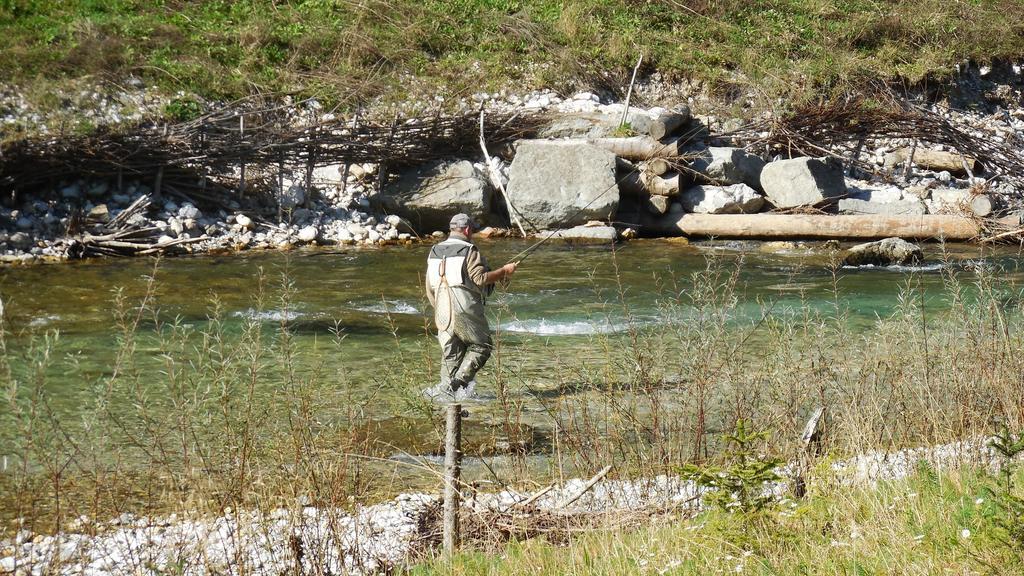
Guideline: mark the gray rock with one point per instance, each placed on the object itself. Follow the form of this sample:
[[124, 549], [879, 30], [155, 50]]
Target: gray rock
[[868, 193], [302, 215], [176, 226], [99, 214], [428, 197], [560, 184], [597, 234], [726, 166], [888, 252], [656, 204], [292, 196], [802, 181], [244, 221], [20, 240], [358, 232], [308, 234], [188, 211], [950, 200], [24, 223], [605, 123], [900, 208], [735, 199], [71, 192]]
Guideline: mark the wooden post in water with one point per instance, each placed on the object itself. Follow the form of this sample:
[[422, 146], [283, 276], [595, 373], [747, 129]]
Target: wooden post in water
[[452, 474]]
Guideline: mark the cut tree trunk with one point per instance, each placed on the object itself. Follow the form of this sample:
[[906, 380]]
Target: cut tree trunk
[[664, 122], [951, 162], [637, 147], [655, 166], [640, 183], [982, 205], [779, 226]]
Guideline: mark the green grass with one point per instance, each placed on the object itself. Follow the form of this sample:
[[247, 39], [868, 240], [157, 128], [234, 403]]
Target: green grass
[[913, 526], [346, 52]]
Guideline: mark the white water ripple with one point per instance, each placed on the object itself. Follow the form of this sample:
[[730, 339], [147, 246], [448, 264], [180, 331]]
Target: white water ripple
[[899, 268], [268, 315], [387, 307], [545, 327]]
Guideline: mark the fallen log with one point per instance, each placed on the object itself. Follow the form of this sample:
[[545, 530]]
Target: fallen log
[[637, 147], [779, 226], [655, 166], [635, 180], [982, 205], [639, 183], [659, 122], [951, 162]]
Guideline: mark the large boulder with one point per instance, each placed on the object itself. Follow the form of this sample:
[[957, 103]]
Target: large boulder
[[562, 184], [604, 121], [802, 181], [897, 208], [583, 234], [888, 252], [429, 196], [956, 201], [735, 199], [728, 166]]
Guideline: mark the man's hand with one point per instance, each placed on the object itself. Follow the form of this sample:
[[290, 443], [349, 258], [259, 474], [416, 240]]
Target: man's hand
[[503, 273]]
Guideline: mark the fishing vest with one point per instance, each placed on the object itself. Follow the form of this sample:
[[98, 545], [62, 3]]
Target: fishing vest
[[446, 265]]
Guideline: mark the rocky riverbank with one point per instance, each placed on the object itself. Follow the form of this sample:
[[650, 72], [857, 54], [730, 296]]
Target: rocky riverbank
[[383, 537], [594, 169]]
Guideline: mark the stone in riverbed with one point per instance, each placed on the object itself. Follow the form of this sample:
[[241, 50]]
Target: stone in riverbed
[[594, 234], [429, 196], [20, 240], [899, 208], [735, 199], [244, 221], [188, 211], [562, 184], [99, 214], [802, 181], [888, 252], [726, 166], [656, 204], [308, 234]]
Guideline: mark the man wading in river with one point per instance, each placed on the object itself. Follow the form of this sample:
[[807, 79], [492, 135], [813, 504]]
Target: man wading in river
[[458, 283]]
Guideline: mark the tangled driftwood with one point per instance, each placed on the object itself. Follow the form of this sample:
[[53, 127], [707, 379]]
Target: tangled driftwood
[[209, 156], [841, 129]]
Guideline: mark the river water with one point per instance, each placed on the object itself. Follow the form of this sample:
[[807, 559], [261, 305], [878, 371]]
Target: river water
[[563, 299]]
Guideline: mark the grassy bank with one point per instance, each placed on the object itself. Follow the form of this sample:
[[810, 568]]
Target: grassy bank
[[929, 523], [348, 52]]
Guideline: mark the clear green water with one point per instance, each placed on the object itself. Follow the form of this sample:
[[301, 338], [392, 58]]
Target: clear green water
[[559, 300]]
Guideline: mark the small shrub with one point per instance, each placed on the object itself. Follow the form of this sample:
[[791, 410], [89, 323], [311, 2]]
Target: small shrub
[[624, 131], [1008, 520], [740, 486], [183, 109]]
